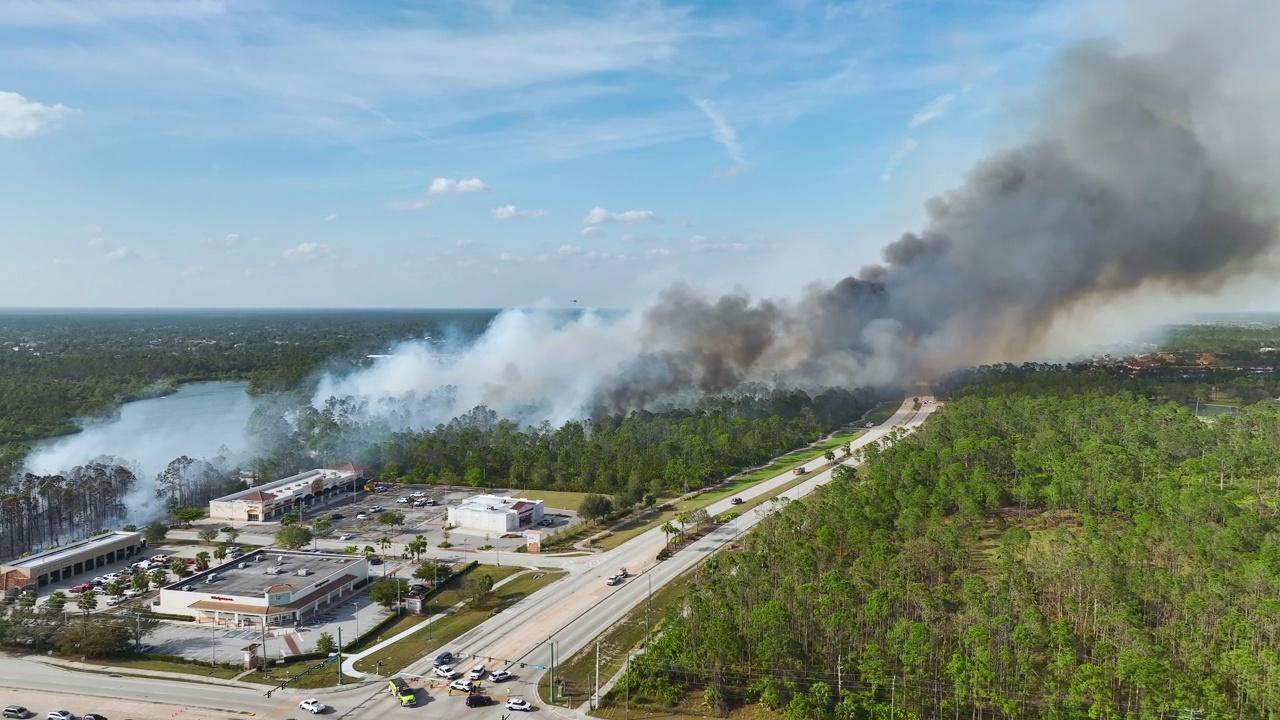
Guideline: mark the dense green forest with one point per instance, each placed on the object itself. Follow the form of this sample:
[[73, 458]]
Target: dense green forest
[[1049, 545], [59, 366], [630, 456]]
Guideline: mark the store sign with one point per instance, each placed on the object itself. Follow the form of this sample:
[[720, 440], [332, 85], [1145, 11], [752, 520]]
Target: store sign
[[219, 597]]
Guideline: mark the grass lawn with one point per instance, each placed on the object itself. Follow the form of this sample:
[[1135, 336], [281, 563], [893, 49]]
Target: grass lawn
[[553, 498], [644, 523], [415, 647], [883, 411], [174, 666], [620, 640]]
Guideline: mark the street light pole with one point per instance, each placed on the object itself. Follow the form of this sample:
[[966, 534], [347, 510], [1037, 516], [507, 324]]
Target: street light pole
[[339, 655]]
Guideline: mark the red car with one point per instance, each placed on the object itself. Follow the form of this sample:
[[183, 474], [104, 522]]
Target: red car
[[83, 587]]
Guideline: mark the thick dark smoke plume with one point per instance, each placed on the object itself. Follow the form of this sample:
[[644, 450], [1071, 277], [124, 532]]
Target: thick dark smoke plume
[[1132, 181]]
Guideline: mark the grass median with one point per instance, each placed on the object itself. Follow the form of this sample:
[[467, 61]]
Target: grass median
[[790, 461], [413, 648], [622, 639], [173, 666]]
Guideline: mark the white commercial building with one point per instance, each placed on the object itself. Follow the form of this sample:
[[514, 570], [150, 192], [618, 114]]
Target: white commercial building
[[271, 586], [494, 513], [295, 493]]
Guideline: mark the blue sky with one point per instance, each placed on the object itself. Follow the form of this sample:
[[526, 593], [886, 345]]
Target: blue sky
[[197, 153]]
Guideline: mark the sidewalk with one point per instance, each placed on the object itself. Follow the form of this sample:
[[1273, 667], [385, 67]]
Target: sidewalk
[[349, 661]]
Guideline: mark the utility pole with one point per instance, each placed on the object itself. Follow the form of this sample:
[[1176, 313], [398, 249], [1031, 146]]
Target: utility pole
[[648, 620], [596, 695], [892, 683], [626, 686], [339, 655], [839, 678]]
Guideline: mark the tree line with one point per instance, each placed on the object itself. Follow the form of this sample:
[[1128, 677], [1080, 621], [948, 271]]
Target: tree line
[[1048, 545], [631, 456]]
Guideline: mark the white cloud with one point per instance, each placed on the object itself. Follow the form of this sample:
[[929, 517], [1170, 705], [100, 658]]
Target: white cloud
[[231, 240], [569, 250], [599, 215], [723, 133], [20, 117], [907, 147], [97, 242], [591, 232], [402, 205], [932, 110], [507, 212], [661, 252], [307, 251], [464, 242], [121, 253], [440, 186], [704, 244], [331, 217]]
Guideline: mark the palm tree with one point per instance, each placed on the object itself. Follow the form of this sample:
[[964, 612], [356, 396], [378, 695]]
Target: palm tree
[[417, 546], [87, 602], [830, 456], [683, 518], [220, 553], [369, 550], [351, 549], [384, 542], [669, 529], [231, 534], [160, 577], [845, 449], [202, 561]]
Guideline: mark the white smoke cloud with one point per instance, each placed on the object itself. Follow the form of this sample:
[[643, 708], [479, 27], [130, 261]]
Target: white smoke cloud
[[530, 365]]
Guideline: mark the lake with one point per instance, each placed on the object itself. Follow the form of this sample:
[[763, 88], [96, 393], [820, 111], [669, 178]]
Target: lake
[[198, 420]]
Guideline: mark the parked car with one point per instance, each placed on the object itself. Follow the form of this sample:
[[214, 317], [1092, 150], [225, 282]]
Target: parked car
[[418, 589], [376, 508], [335, 516], [462, 684], [417, 494], [612, 580], [403, 500], [346, 536], [499, 676], [447, 672], [419, 503], [61, 715], [362, 516], [375, 561], [546, 522], [313, 706], [519, 704], [93, 716], [17, 711], [477, 672], [736, 501], [444, 658], [114, 600], [479, 701], [82, 587]]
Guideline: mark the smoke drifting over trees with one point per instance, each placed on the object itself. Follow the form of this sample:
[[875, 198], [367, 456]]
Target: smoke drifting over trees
[[1147, 170]]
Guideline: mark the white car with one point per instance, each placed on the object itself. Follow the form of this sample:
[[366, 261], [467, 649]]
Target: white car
[[102, 580], [346, 536], [61, 715], [312, 706], [499, 676], [462, 684], [362, 516], [519, 704], [477, 672], [403, 501], [612, 580], [114, 600], [132, 593], [447, 672]]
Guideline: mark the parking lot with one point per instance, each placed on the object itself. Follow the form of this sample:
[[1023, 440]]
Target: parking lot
[[428, 521]]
